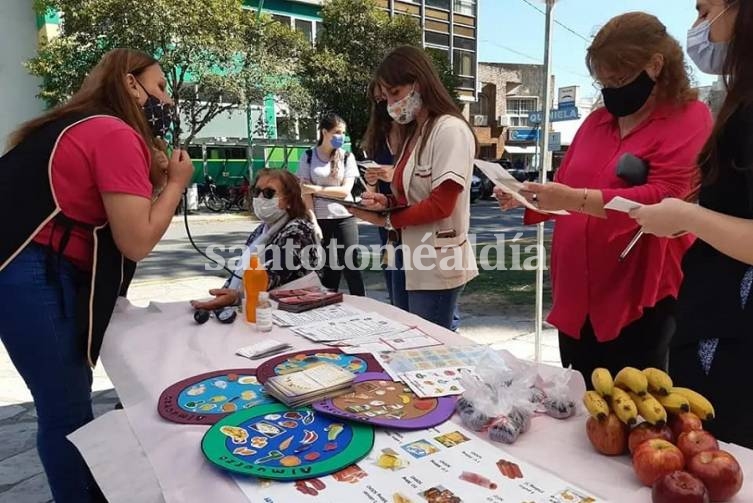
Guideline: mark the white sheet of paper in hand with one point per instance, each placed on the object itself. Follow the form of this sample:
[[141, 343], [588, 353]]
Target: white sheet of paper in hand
[[621, 204], [508, 183]]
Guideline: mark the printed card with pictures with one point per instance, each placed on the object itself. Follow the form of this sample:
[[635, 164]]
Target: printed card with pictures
[[436, 382]]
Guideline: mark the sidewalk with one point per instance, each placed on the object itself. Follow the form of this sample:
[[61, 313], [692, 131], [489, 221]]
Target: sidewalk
[[21, 476]]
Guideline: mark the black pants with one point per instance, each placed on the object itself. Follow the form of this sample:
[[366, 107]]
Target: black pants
[[643, 343], [725, 386], [344, 233]]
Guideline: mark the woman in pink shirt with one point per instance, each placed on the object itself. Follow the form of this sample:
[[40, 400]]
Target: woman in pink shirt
[[611, 312], [68, 249]]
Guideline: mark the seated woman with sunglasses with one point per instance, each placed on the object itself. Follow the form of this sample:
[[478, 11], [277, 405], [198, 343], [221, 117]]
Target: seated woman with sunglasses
[[285, 238]]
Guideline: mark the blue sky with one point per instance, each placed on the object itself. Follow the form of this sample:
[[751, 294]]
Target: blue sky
[[512, 31]]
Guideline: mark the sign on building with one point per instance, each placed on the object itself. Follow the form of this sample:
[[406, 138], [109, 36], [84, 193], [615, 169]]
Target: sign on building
[[567, 96]]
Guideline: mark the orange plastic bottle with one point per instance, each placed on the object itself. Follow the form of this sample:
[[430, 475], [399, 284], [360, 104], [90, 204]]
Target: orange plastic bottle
[[255, 280]]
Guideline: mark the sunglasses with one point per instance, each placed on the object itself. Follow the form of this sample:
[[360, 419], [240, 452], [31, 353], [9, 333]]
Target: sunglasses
[[266, 193]]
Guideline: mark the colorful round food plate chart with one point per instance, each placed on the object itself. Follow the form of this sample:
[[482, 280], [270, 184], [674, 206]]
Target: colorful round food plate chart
[[301, 360], [377, 399], [276, 442], [207, 398]]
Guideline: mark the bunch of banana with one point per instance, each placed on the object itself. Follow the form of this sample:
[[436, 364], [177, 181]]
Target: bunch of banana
[[649, 393], [698, 404]]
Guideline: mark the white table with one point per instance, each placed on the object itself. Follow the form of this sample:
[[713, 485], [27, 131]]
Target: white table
[[148, 349]]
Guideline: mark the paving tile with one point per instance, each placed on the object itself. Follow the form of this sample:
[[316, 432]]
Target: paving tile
[[16, 438], [20, 467], [31, 490], [9, 411]]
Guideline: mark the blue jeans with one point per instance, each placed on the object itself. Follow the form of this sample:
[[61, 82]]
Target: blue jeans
[[437, 306], [38, 329]]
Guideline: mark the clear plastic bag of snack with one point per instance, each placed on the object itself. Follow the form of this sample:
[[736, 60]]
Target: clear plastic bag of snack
[[558, 402]]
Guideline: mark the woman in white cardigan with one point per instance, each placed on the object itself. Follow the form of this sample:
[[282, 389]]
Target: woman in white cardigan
[[432, 180]]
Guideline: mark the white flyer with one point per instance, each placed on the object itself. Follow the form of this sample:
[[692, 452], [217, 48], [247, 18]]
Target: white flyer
[[352, 327], [444, 464], [508, 183], [325, 313], [621, 204]]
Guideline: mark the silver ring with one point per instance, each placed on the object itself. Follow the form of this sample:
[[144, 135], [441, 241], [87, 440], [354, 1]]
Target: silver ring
[[535, 197]]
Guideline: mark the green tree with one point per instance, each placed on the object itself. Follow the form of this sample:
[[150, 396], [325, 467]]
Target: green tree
[[215, 54], [353, 39]]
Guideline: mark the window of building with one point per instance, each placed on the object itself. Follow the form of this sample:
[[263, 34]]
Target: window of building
[[442, 4], [465, 7], [305, 27], [281, 19], [481, 106], [437, 38], [464, 63], [468, 44], [519, 108]]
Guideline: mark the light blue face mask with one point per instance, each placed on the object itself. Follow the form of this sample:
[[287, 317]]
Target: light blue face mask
[[708, 56], [337, 141]]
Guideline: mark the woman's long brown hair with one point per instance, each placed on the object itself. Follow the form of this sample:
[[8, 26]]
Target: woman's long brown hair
[[103, 91], [738, 71], [410, 65]]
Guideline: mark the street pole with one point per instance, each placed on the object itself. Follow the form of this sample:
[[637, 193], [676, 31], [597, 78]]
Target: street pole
[[249, 122], [543, 151]]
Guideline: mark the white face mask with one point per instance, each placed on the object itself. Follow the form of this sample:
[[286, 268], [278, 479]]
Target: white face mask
[[708, 56], [267, 210], [405, 110]]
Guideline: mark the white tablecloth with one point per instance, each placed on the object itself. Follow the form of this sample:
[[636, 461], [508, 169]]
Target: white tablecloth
[[148, 349]]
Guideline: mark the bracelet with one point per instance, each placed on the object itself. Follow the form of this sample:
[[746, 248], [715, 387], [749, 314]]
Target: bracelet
[[585, 199]]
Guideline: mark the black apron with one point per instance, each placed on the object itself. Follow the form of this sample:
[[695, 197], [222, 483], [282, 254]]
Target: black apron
[[28, 202]]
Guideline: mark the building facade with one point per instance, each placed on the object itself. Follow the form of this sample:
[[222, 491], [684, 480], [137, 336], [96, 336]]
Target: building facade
[[509, 93]]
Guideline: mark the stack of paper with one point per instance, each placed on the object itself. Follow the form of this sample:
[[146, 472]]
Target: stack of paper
[[350, 328], [326, 313], [307, 386]]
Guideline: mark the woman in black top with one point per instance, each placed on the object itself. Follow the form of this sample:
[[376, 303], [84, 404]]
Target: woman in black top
[[380, 135], [713, 348]]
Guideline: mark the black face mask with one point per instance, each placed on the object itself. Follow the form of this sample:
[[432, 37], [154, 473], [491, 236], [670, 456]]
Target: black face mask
[[159, 115], [628, 99]]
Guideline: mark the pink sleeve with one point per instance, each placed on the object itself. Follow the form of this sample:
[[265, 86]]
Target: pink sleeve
[[673, 170], [119, 162]]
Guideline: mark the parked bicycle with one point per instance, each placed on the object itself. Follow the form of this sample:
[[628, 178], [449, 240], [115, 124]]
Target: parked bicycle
[[239, 197], [210, 196]]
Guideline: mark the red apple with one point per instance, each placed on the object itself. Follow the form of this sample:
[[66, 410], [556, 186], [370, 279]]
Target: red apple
[[608, 436], [679, 487], [693, 442], [646, 431], [684, 421], [656, 458], [719, 471]]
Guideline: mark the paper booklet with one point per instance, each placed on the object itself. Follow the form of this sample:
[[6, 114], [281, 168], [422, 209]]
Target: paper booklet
[[505, 181], [307, 386]]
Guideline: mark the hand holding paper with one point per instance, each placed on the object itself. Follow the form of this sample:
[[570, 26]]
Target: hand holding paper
[[507, 183]]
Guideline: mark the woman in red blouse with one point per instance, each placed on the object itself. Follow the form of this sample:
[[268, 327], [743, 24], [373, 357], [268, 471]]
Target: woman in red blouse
[[610, 312]]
